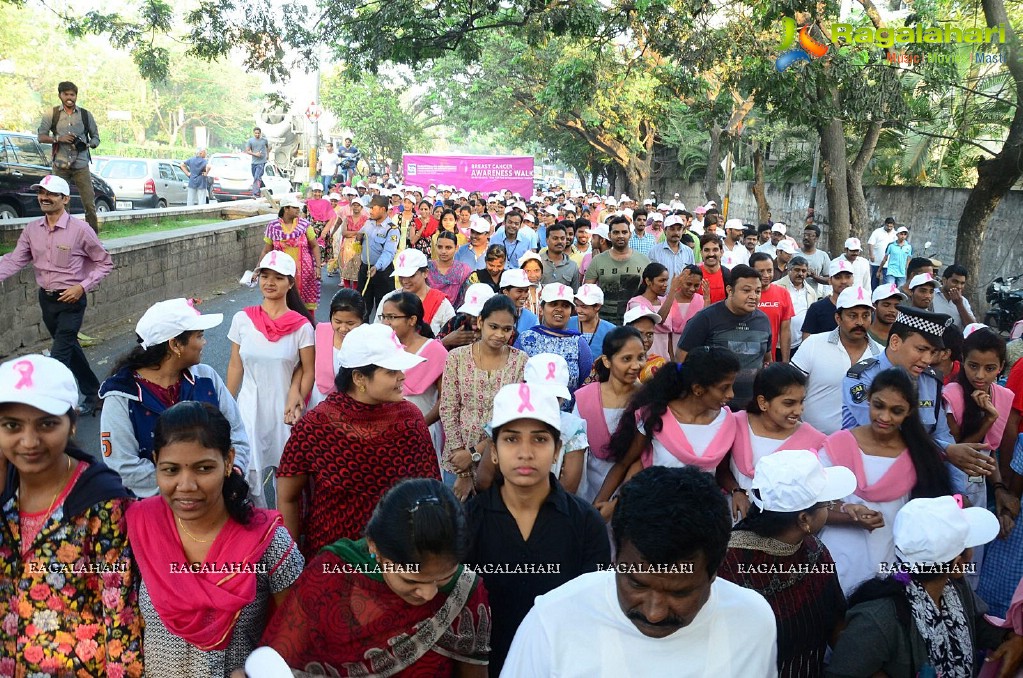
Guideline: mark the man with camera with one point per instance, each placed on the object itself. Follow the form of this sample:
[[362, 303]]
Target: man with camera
[[72, 132], [349, 160]]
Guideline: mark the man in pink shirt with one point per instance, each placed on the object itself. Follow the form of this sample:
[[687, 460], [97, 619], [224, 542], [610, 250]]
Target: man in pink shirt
[[69, 261]]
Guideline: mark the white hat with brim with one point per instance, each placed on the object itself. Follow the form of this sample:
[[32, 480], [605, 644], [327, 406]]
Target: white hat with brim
[[556, 292], [602, 231], [840, 266], [280, 262], [525, 401], [291, 201], [852, 297], [923, 279], [634, 314], [795, 480], [408, 263], [590, 294], [514, 277], [53, 184], [39, 381], [936, 530], [167, 319], [548, 371], [376, 344], [887, 291], [530, 256], [475, 296]]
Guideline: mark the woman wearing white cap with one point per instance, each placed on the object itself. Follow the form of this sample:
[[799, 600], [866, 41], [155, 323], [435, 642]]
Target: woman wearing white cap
[[163, 370], [472, 376], [526, 518], [553, 336], [349, 248], [351, 448], [295, 237], [775, 552], [272, 367], [923, 619], [67, 586], [410, 269]]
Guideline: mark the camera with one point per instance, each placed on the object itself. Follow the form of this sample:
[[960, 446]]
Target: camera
[[80, 144]]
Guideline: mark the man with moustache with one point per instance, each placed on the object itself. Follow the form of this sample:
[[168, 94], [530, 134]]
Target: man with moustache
[[825, 358], [674, 255], [802, 295], [776, 305], [660, 610], [618, 272], [714, 275], [69, 261], [886, 299], [733, 243]]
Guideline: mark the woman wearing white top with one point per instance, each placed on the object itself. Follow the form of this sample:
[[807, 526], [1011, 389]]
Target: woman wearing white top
[[771, 422], [271, 367], [347, 309], [678, 418], [894, 460], [411, 268]]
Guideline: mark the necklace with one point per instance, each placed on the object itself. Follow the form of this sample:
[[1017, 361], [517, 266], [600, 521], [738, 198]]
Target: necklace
[[59, 488], [190, 535]]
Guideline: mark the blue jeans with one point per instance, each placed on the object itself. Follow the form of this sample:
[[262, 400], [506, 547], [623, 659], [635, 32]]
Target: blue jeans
[[257, 177], [889, 279], [874, 280]]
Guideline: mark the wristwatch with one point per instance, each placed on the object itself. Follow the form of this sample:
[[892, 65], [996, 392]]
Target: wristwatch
[[474, 455]]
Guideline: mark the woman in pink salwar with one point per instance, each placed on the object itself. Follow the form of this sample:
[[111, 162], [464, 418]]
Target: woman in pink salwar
[[294, 236]]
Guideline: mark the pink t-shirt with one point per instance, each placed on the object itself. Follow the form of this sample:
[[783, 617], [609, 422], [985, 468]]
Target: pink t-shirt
[[1001, 397]]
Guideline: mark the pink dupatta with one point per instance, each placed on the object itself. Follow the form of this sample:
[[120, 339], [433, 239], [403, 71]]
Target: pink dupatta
[[199, 608], [323, 362], [898, 481], [424, 375], [806, 437], [588, 400], [1001, 397], [272, 329], [675, 441]]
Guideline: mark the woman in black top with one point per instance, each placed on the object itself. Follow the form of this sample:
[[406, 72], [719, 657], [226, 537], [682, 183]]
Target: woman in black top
[[529, 535]]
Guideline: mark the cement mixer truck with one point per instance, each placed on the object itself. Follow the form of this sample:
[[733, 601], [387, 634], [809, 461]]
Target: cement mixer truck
[[285, 130]]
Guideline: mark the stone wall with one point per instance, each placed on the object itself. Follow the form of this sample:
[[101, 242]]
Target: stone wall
[[147, 268], [932, 214]]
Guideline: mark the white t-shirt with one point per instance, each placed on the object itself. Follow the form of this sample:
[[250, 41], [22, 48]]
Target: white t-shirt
[[699, 436], [861, 270], [800, 304], [579, 629], [328, 164], [739, 253], [825, 361], [879, 241]]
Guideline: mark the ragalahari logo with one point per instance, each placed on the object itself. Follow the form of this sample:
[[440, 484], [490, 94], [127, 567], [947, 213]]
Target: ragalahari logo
[[808, 47]]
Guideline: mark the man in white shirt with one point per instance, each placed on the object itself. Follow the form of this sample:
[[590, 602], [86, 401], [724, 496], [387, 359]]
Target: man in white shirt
[[877, 244], [949, 298], [860, 266], [733, 243], [778, 231], [328, 167], [801, 293], [661, 610], [826, 357]]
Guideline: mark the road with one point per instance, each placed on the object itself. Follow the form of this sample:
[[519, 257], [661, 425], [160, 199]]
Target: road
[[118, 341]]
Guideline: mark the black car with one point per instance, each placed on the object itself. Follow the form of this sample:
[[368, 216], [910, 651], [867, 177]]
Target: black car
[[24, 162]]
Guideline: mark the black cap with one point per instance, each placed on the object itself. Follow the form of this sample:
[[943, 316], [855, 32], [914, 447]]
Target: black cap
[[930, 325]]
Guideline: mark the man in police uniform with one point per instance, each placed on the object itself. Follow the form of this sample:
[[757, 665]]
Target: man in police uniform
[[914, 341], [379, 245]]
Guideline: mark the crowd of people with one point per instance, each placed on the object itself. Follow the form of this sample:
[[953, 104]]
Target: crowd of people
[[561, 434]]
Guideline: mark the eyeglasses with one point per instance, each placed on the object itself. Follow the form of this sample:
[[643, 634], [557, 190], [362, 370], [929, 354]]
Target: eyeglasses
[[389, 318]]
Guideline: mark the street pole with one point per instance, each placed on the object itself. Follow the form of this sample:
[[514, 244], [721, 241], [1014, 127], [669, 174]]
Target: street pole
[[813, 175], [314, 142]]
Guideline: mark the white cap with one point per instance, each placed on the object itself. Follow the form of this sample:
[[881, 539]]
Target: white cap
[[628, 212], [854, 296], [648, 201], [528, 216], [840, 265], [671, 220], [779, 227], [291, 201], [316, 186], [478, 225], [408, 262], [710, 203], [552, 210], [625, 198], [593, 201], [735, 224], [521, 206], [700, 209], [973, 327], [348, 190], [634, 314], [167, 319], [853, 244], [523, 401], [788, 247], [901, 229], [937, 530], [590, 294], [549, 371], [279, 262], [475, 296], [334, 196], [610, 201], [887, 291], [53, 184], [376, 344], [794, 480], [602, 230], [39, 381], [922, 279], [662, 207], [657, 217], [530, 256], [556, 292], [514, 277]]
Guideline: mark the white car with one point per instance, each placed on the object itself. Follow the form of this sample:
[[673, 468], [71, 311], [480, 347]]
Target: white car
[[232, 177]]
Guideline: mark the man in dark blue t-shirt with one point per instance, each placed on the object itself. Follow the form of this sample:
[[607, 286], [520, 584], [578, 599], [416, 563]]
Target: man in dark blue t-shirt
[[820, 316]]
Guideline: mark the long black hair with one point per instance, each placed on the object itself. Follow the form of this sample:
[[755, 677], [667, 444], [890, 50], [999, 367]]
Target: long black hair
[[772, 381], [931, 476], [982, 341], [651, 271], [138, 357], [349, 300], [410, 305], [191, 421], [704, 366], [417, 519], [614, 341], [294, 299]]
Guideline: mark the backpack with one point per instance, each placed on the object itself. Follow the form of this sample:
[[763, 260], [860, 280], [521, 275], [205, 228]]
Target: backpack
[[86, 119]]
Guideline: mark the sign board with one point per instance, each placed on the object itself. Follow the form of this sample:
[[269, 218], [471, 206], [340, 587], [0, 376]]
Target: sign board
[[485, 173]]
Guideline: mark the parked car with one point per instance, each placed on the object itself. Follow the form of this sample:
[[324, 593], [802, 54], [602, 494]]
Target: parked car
[[146, 183], [24, 162], [232, 177]]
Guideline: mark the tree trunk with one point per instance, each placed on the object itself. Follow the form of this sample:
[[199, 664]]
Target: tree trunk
[[835, 165], [637, 176], [710, 179], [759, 191], [581, 173], [612, 178], [595, 174], [858, 217], [995, 176]]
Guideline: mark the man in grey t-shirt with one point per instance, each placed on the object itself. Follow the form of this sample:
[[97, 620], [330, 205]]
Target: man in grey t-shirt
[[72, 131], [259, 149]]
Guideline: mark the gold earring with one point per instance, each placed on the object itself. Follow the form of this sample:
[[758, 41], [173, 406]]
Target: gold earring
[[362, 389]]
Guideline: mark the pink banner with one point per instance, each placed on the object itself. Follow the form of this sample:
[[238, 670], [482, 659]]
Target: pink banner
[[485, 173]]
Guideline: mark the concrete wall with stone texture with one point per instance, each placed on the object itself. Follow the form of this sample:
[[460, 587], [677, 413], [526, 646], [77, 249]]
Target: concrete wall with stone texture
[[188, 262]]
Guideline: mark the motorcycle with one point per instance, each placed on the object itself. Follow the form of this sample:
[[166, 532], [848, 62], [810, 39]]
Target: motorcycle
[[1005, 303]]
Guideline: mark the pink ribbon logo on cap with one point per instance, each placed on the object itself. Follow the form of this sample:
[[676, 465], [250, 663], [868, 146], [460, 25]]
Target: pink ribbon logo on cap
[[25, 368], [551, 371], [859, 294], [561, 290], [191, 304], [273, 257], [524, 404]]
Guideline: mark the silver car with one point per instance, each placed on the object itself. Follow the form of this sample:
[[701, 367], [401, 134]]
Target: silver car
[[145, 183]]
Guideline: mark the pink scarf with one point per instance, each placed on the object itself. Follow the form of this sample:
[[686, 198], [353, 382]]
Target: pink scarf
[[424, 375], [323, 361], [272, 329], [199, 608], [320, 210], [675, 441], [1001, 397], [806, 437], [588, 400], [843, 450]]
